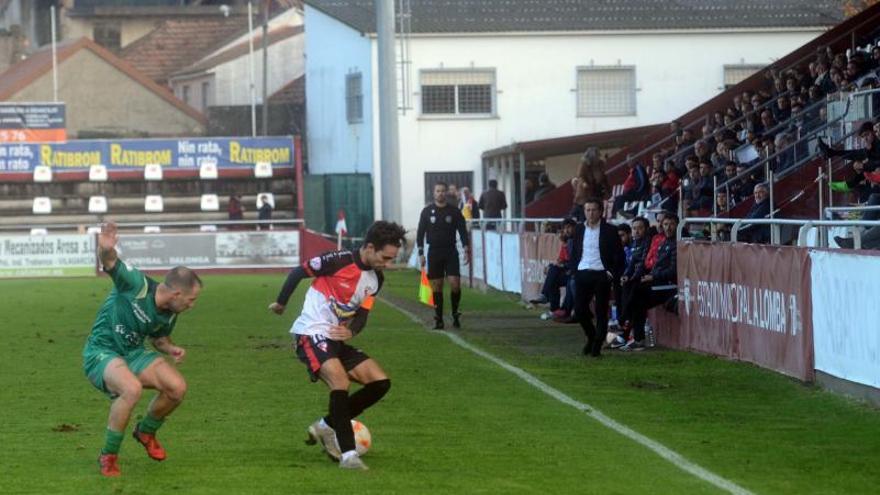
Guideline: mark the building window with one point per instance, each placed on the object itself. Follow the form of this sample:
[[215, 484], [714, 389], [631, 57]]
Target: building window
[[458, 92], [107, 34], [735, 74], [606, 91], [354, 98], [184, 95], [206, 89]]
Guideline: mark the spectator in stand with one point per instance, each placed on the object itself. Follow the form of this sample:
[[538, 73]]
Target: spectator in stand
[[703, 151], [544, 186], [870, 153], [589, 182], [758, 234], [656, 283], [235, 209], [470, 210], [823, 78], [492, 203], [786, 152], [635, 187], [530, 190], [557, 274], [600, 261], [452, 196], [782, 108], [722, 201], [265, 212]]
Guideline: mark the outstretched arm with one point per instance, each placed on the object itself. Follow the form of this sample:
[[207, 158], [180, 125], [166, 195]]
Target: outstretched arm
[[107, 246], [293, 279]]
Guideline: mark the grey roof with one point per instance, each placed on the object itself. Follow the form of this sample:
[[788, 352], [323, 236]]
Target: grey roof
[[465, 16]]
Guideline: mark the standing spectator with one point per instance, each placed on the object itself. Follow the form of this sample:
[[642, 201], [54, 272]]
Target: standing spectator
[[469, 208], [492, 202], [530, 190], [600, 261], [452, 196], [544, 186], [657, 285], [265, 212], [589, 182]]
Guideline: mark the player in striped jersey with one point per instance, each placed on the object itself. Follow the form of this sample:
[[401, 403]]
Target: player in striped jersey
[[334, 311]]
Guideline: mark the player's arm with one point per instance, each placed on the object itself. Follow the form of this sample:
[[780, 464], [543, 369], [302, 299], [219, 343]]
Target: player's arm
[[166, 346], [461, 226], [124, 277], [293, 279], [420, 235]]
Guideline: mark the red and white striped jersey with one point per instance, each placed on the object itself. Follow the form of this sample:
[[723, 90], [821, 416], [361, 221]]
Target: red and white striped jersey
[[342, 285]]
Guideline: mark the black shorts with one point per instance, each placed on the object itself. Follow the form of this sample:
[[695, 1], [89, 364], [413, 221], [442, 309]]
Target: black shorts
[[443, 264], [314, 350]]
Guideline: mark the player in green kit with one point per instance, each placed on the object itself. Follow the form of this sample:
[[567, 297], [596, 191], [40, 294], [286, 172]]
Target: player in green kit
[[115, 359]]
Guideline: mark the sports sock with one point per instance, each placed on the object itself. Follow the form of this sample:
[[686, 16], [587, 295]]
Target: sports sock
[[340, 414], [150, 424], [438, 305], [368, 395], [112, 442], [456, 299]]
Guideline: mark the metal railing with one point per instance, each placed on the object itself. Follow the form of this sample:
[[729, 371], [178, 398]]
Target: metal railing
[[511, 225], [804, 227], [175, 225]]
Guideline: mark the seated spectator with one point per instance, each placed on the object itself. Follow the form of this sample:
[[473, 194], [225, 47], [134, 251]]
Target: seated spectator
[[638, 249], [557, 275], [635, 187], [656, 285], [758, 234], [544, 186]]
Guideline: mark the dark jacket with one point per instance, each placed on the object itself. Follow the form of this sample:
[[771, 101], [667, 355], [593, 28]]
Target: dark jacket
[[610, 249], [493, 202], [636, 267], [757, 234], [665, 270]]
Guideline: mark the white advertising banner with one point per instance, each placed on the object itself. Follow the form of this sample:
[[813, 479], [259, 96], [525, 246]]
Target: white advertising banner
[[494, 268], [477, 253], [846, 315], [47, 256], [511, 263]]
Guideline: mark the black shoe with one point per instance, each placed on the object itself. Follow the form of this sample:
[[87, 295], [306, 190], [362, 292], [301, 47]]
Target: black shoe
[[438, 324], [455, 322], [588, 349], [539, 300], [844, 242]]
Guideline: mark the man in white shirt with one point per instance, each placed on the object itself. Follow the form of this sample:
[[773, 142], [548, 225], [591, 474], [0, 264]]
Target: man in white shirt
[[600, 260]]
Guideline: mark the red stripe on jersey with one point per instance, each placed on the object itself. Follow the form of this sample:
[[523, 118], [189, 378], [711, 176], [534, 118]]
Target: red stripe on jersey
[[306, 342], [341, 285]]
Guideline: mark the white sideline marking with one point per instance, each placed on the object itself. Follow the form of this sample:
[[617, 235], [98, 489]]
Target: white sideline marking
[[665, 452]]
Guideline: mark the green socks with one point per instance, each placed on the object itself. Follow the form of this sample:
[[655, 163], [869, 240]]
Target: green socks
[[112, 441], [149, 424]]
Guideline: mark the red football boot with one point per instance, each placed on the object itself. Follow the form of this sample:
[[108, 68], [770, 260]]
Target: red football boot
[[107, 462], [154, 450]]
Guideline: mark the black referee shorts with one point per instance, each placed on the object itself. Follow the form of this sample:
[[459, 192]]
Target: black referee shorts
[[443, 263]]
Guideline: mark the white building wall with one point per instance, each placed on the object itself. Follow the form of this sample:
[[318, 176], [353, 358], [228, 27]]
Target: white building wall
[[536, 98], [286, 63]]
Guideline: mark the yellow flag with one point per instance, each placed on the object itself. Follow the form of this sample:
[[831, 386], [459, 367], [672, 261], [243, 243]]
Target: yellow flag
[[426, 295]]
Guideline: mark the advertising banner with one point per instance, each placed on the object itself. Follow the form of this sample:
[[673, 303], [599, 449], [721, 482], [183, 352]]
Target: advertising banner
[[511, 264], [536, 251], [477, 253], [32, 122], [494, 270], [747, 302], [47, 256], [846, 316], [250, 249], [133, 154]]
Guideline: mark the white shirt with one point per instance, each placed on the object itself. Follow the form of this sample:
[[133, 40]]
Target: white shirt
[[590, 257]]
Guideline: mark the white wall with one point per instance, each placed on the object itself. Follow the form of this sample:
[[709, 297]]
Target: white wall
[[286, 63], [535, 83]]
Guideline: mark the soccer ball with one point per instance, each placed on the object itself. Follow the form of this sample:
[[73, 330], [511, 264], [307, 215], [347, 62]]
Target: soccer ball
[[362, 439]]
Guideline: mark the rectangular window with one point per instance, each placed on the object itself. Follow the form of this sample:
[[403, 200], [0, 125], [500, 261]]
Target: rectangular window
[[206, 91], [735, 74], [458, 92], [107, 34], [354, 98], [606, 91], [185, 94]]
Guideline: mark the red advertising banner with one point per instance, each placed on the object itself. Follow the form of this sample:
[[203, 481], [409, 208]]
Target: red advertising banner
[[536, 251], [747, 302]]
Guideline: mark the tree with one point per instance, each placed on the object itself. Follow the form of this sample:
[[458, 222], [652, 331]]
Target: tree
[[853, 7]]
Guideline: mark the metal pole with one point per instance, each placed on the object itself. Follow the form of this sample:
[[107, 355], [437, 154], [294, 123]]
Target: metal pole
[[253, 90], [54, 57], [714, 205], [389, 147], [821, 230], [830, 196], [522, 188], [265, 8]]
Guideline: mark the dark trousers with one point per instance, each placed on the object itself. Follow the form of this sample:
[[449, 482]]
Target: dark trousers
[[643, 299], [590, 284], [555, 280], [625, 304], [568, 302]]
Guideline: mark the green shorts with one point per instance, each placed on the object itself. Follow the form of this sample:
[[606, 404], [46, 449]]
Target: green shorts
[[95, 360]]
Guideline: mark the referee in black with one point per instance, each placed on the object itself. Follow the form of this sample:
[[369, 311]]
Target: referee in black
[[439, 221]]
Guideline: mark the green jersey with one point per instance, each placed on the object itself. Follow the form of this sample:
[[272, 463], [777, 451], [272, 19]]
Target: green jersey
[[129, 315]]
